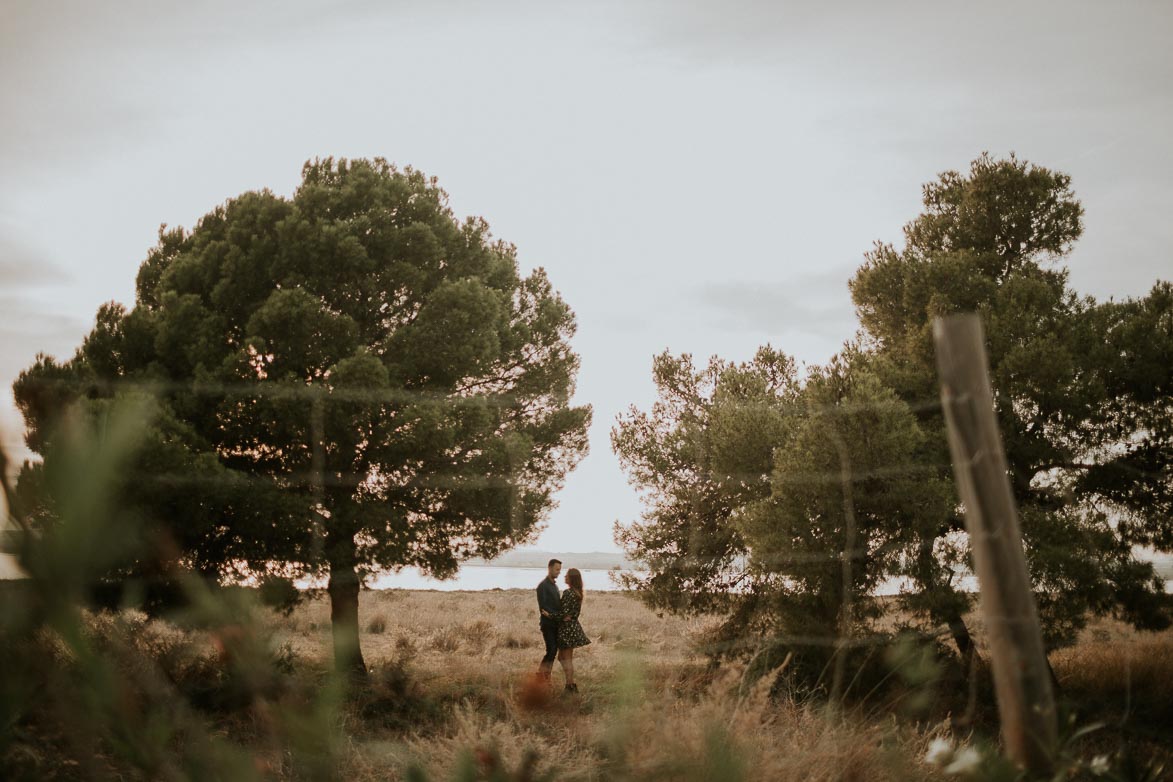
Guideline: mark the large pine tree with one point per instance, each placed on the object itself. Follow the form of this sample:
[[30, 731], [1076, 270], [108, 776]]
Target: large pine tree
[[344, 381]]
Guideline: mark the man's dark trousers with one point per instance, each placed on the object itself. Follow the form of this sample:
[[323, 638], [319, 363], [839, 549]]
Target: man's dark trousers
[[550, 636], [548, 602]]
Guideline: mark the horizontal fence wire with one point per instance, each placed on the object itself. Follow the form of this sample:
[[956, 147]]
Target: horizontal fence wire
[[734, 576]]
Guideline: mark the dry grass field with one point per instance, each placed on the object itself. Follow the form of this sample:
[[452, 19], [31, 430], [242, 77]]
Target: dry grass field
[[452, 697], [456, 668], [645, 710]]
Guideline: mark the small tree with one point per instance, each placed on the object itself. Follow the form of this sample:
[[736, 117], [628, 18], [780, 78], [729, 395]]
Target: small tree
[[778, 501], [695, 555], [847, 507], [347, 380]]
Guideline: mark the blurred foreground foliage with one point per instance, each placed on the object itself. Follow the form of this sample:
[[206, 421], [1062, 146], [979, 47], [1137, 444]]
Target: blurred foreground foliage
[[105, 695]]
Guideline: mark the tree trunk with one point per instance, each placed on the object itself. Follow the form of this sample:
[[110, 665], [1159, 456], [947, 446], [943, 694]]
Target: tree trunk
[[962, 638], [1054, 679], [343, 590], [944, 613], [973, 669]]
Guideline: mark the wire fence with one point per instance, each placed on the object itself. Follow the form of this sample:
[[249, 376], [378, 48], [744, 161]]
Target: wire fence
[[313, 475], [1010, 619]]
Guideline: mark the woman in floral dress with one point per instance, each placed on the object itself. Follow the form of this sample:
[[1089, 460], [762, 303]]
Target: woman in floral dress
[[570, 634]]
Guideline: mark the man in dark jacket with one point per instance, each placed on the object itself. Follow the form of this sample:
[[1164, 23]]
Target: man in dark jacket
[[549, 604]]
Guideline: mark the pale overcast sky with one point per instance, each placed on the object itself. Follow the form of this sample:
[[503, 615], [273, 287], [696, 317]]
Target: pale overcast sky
[[697, 176]]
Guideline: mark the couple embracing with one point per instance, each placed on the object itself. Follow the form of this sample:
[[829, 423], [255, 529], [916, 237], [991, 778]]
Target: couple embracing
[[559, 621]]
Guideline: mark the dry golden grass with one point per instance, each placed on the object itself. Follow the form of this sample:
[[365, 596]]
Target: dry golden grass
[[453, 674], [448, 626], [646, 709], [1118, 673]]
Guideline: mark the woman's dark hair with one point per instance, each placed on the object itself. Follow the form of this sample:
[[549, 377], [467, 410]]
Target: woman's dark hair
[[574, 578]]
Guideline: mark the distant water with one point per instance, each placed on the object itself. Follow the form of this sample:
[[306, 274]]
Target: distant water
[[476, 578]]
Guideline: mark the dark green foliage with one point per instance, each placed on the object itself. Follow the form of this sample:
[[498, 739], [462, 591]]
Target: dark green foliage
[[781, 502], [699, 461], [778, 501], [346, 380], [1082, 388]]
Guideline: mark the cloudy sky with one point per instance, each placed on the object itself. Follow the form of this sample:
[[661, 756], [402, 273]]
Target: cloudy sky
[[695, 176]]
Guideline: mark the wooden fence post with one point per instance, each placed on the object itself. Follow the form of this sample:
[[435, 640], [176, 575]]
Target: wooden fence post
[[1022, 680]]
